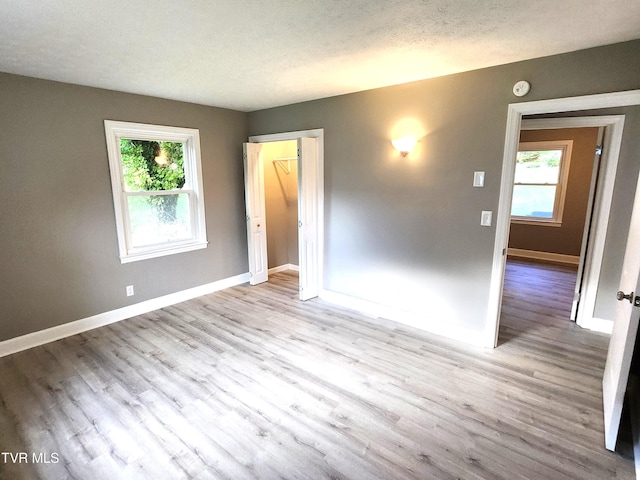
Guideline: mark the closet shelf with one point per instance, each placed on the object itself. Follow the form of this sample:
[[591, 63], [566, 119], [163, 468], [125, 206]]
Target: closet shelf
[[280, 162]]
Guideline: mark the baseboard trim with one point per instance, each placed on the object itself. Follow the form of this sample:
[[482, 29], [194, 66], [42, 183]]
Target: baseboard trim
[[285, 267], [545, 256], [58, 332], [411, 319], [597, 325]]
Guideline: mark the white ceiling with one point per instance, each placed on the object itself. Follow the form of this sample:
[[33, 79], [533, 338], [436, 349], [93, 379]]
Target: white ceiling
[[247, 55]]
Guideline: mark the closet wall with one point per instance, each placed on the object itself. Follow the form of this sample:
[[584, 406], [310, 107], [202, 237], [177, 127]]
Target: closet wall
[[281, 197]]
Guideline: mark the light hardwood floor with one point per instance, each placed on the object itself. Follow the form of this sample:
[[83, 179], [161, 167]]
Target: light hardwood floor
[[251, 383]]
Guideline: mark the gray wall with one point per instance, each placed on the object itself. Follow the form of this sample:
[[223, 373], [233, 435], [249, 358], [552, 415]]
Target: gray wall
[[405, 232], [59, 255], [567, 238]]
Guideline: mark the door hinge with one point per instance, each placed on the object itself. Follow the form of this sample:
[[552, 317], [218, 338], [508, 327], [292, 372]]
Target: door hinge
[[636, 301], [599, 149], [248, 218], [504, 252], [576, 297]]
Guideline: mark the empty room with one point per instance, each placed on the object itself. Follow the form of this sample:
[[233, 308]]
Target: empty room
[[306, 240]]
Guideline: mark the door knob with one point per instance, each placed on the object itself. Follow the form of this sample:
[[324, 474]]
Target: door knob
[[621, 296]]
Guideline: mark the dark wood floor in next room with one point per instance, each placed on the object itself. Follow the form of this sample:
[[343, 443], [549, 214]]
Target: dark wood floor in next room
[[251, 383]]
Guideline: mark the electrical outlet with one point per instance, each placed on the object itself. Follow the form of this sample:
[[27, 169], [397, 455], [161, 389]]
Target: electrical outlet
[[485, 219], [129, 290]]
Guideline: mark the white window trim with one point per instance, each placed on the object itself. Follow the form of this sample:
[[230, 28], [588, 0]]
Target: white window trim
[[561, 187], [114, 131]]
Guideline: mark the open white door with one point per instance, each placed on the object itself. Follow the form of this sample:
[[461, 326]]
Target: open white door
[[625, 328], [256, 217], [308, 216]]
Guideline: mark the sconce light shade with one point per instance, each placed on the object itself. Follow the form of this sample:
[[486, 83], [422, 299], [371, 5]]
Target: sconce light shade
[[404, 145]]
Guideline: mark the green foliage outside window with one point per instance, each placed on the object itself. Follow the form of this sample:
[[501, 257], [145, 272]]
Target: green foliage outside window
[[154, 166], [540, 158]]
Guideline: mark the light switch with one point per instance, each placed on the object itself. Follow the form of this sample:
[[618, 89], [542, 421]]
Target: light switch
[[478, 179], [485, 219]]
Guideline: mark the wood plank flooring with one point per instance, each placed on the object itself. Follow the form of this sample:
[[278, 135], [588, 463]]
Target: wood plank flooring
[[251, 383]]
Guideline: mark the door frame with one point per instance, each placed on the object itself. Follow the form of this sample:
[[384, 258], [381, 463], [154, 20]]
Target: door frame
[[603, 204], [317, 133]]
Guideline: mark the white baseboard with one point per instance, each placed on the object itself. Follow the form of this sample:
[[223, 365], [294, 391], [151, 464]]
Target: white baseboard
[[283, 268], [546, 256], [52, 334], [411, 319], [597, 325]]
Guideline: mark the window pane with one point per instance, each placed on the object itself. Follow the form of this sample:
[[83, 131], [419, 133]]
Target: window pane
[[533, 201], [538, 166], [150, 165], [159, 219]]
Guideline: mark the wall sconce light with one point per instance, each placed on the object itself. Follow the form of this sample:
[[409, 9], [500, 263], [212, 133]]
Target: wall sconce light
[[404, 145]]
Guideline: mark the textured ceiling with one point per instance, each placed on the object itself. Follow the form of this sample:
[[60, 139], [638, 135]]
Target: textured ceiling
[[247, 55]]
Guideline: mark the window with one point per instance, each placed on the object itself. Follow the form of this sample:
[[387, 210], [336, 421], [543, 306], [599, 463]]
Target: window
[[540, 182], [156, 180]]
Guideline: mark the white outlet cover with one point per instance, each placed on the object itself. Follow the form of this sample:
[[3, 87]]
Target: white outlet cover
[[478, 179], [485, 219], [130, 291]]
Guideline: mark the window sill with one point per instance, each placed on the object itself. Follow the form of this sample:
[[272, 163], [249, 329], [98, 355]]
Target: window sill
[[537, 223], [161, 252]]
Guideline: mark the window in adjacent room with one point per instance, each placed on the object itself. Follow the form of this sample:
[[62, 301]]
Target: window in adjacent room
[[540, 186], [157, 189]]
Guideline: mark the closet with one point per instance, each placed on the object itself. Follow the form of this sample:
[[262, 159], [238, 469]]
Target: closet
[[281, 203]]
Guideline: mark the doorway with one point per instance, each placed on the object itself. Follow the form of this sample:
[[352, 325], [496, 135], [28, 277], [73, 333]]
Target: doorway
[[602, 202], [284, 181], [556, 175], [281, 204]]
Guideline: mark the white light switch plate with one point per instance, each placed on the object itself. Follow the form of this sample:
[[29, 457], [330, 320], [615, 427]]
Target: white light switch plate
[[485, 219], [478, 179]]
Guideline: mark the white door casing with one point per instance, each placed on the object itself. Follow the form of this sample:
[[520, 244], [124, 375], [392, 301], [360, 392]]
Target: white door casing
[[625, 328], [602, 206], [256, 217], [308, 216], [312, 270]]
